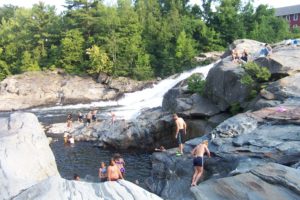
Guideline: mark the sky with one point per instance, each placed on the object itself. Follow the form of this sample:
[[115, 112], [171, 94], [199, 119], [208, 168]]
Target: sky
[[58, 3]]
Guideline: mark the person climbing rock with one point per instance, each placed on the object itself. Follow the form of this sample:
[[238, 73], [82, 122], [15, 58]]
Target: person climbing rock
[[198, 162]]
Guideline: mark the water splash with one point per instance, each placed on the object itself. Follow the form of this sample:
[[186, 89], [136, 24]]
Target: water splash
[[132, 103]]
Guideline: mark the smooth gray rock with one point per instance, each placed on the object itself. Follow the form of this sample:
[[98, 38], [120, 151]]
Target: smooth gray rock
[[223, 86], [282, 62], [25, 155], [268, 182], [33, 89], [61, 189]]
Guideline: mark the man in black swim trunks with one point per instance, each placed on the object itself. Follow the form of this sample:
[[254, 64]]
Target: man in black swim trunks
[[180, 132], [198, 162]]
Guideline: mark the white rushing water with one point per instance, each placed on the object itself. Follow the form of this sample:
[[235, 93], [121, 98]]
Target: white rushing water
[[132, 103]]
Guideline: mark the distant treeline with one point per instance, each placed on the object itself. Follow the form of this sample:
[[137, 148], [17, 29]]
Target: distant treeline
[[140, 39]]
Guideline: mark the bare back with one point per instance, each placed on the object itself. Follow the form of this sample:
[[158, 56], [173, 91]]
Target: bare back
[[180, 123], [113, 172], [199, 150]]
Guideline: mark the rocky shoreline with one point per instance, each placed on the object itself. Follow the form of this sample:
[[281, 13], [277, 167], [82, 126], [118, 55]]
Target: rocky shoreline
[[28, 169], [256, 153], [50, 88]]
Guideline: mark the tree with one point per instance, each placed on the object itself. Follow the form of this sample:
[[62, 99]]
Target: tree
[[72, 51], [185, 51], [99, 61], [28, 63]]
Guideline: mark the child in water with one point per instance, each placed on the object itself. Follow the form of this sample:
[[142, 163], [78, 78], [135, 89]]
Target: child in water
[[103, 172]]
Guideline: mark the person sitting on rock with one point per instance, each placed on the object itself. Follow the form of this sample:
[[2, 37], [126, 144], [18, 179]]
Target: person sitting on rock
[[113, 171], [244, 57], [198, 162], [103, 172], [119, 162], [161, 149], [235, 55], [266, 51]]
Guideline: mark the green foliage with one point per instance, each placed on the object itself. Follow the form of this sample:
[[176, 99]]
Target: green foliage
[[255, 72], [140, 40], [235, 108], [196, 84], [99, 61], [254, 77], [72, 51]]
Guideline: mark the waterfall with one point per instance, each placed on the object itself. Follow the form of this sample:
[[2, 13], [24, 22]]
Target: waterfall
[[132, 103]]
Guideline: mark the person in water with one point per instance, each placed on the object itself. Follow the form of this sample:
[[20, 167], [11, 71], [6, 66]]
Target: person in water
[[103, 172], [198, 162], [113, 171], [76, 177], [119, 162], [180, 132]]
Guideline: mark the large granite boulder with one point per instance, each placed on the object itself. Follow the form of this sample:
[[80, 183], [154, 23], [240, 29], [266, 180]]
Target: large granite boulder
[[28, 169], [61, 189], [285, 91], [223, 86], [251, 46], [237, 145], [33, 89], [152, 128], [268, 182], [283, 61], [148, 130], [171, 175], [177, 100], [25, 155]]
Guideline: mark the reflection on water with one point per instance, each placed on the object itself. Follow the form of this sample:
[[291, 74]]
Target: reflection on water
[[84, 159]]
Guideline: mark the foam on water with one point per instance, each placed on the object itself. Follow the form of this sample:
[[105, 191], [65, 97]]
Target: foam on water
[[132, 103]]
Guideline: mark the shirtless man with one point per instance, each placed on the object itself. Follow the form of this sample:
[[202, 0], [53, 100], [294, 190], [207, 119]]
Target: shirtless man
[[198, 162], [113, 171], [180, 132]]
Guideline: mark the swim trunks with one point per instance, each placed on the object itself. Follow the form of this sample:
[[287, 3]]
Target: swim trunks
[[180, 136], [198, 161]]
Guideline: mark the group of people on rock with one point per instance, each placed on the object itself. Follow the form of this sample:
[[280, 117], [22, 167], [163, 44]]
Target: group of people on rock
[[244, 57], [198, 152], [114, 172], [90, 116]]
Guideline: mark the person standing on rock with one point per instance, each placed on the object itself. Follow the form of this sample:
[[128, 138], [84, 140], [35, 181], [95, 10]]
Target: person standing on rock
[[94, 113], [69, 123], [180, 132], [198, 162], [88, 118]]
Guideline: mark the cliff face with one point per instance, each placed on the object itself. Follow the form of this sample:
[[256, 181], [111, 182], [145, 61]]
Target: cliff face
[[28, 169], [254, 153]]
